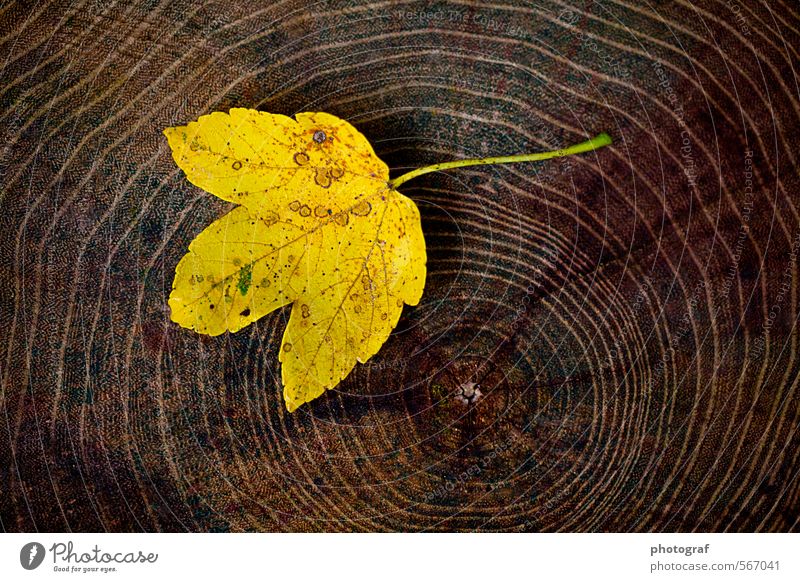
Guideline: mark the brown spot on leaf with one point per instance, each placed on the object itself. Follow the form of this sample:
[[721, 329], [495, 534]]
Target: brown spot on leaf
[[322, 178], [270, 218], [363, 208]]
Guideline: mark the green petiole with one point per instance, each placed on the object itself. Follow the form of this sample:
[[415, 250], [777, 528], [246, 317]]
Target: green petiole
[[595, 143]]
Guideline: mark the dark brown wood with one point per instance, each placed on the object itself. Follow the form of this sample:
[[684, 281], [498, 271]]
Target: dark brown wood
[[628, 316]]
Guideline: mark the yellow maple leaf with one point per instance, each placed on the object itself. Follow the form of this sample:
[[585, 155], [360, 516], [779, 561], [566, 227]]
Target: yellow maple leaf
[[320, 226]]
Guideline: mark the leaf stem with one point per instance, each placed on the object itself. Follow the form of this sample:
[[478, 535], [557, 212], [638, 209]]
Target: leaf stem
[[595, 143]]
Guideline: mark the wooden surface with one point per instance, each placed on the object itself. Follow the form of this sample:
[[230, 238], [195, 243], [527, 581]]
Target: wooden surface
[[628, 316]]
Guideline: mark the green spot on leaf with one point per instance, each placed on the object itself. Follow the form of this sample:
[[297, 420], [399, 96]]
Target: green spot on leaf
[[245, 279]]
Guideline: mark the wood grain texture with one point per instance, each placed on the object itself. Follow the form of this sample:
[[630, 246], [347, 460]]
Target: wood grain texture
[[629, 316]]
